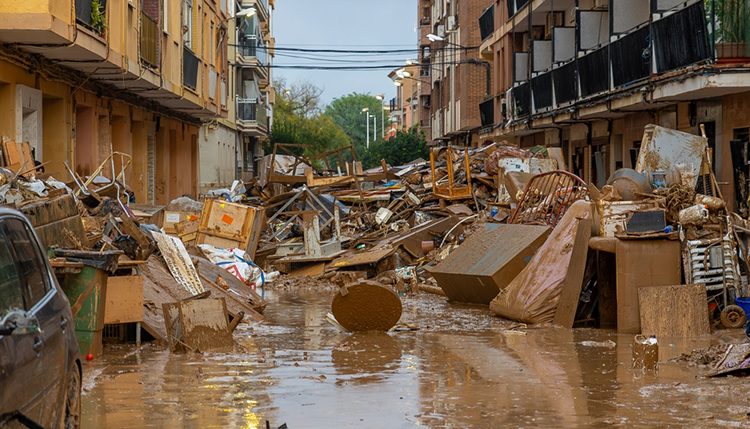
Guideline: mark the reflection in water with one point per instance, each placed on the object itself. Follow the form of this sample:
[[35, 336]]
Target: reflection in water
[[461, 369]]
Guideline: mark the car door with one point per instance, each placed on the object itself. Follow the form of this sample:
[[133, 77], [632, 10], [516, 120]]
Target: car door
[[20, 366], [39, 298]]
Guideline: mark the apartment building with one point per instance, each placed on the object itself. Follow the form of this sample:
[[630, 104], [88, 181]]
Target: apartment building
[[588, 75], [449, 39], [231, 146], [80, 79]]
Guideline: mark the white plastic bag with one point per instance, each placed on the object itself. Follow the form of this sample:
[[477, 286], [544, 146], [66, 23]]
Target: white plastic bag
[[236, 262]]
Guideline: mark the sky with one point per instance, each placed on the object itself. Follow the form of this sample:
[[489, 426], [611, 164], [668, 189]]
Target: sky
[[349, 25]]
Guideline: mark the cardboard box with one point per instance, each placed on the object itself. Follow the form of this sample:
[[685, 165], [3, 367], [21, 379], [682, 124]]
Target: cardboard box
[[171, 218]]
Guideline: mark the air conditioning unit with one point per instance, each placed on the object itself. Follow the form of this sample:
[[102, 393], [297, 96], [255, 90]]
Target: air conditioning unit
[[452, 23], [441, 30], [601, 4]]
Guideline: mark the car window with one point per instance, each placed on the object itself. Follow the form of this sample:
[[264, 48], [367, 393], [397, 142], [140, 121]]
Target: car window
[[11, 292], [32, 269]]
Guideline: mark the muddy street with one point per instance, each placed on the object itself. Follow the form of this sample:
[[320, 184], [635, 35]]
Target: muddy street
[[463, 367]]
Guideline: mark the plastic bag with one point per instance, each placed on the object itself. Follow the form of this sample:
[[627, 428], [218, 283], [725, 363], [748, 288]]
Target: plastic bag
[[236, 262]]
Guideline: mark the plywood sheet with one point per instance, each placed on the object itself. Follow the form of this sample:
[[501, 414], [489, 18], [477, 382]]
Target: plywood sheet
[[674, 311], [179, 262], [642, 263], [124, 300]]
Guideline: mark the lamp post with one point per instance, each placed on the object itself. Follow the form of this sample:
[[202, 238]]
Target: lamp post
[[366, 109], [381, 97]]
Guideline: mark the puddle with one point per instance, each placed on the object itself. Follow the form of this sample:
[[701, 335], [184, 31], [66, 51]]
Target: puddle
[[463, 368]]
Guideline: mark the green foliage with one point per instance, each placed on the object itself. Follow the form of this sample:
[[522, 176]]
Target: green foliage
[[731, 20], [347, 113], [98, 17], [298, 119], [398, 150]]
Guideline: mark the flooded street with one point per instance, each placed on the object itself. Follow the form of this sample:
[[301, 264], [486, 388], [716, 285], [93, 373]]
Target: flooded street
[[464, 367]]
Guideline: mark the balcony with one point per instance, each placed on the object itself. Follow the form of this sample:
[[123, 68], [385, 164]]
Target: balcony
[[85, 14], [729, 28], [149, 40], [190, 65], [252, 117], [425, 21], [487, 23], [591, 59]]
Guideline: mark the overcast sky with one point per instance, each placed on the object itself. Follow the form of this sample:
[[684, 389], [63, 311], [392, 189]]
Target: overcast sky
[[344, 24]]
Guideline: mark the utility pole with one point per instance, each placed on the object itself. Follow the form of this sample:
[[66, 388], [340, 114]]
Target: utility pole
[[374, 128]]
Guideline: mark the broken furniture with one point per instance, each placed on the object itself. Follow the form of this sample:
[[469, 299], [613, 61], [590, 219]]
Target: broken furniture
[[452, 186], [199, 325], [366, 306], [52, 217], [547, 197], [488, 261], [313, 248], [228, 225], [625, 265]]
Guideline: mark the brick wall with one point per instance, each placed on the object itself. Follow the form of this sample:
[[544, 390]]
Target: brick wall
[[152, 8]]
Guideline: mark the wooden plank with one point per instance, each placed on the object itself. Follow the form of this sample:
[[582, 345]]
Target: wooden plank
[[674, 311], [312, 270], [571, 290], [124, 300]]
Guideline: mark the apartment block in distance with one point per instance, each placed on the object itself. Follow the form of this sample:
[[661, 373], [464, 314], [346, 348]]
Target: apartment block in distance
[[460, 81]]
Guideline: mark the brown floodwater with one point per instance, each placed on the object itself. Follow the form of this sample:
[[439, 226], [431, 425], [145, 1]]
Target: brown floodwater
[[463, 368]]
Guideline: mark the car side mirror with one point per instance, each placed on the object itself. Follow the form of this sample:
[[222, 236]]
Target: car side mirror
[[18, 322]]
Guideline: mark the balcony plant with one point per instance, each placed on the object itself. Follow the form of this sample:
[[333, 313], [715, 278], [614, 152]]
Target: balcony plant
[[729, 22], [98, 18]]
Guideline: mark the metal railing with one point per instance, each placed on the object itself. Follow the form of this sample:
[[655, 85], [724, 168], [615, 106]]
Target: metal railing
[[487, 23], [251, 110], [149, 39], [729, 27], [487, 112], [190, 65], [253, 47]]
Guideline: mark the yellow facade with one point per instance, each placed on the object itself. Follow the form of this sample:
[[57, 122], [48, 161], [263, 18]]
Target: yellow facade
[[139, 82]]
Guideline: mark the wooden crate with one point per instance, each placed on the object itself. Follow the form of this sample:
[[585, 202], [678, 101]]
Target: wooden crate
[[124, 300], [229, 225], [172, 218], [187, 231]]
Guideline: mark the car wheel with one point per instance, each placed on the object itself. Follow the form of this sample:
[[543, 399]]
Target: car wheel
[[73, 399]]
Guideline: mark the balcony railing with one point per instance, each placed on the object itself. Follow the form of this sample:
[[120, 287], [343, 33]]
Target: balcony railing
[[190, 65], [149, 39], [729, 27], [251, 110], [487, 23], [84, 15], [551, 77], [253, 47]]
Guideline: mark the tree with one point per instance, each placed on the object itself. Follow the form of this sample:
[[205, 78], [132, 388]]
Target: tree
[[404, 147], [298, 119], [347, 113]]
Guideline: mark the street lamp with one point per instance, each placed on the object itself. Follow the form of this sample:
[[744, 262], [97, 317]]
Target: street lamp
[[366, 109], [247, 12], [381, 97]]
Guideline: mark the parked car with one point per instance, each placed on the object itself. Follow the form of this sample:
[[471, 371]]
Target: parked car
[[40, 364]]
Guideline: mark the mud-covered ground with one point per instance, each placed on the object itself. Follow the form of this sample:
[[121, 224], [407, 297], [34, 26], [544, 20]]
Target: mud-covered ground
[[463, 368]]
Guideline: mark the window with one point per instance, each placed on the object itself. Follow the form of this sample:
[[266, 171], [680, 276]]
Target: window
[[11, 292], [29, 261], [187, 23]]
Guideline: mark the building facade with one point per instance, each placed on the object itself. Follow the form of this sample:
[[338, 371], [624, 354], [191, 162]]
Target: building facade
[[588, 75], [459, 80], [80, 79], [231, 147]]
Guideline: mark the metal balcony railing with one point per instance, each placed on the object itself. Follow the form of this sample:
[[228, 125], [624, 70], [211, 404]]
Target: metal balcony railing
[[84, 9], [149, 39], [190, 65], [729, 27], [487, 23], [253, 47], [251, 110]]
